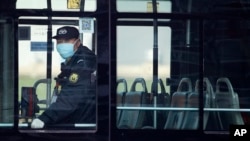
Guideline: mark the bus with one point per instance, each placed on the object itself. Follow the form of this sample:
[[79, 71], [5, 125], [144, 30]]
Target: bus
[[166, 69]]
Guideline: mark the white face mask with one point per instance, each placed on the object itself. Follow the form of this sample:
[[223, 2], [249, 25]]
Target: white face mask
[[66, 50]]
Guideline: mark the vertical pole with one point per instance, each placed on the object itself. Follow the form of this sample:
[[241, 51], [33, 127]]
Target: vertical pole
[[155, 62], [49, 53], [188, 25], [82, 4], [7, 70], [8, 77], [201, 74]]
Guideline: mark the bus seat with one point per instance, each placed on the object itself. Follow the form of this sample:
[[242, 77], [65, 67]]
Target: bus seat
[[227, 98], [214, 121], [135, 119], [120, 97], [191, 120], [162, 100], [178, 100], [29, 102]]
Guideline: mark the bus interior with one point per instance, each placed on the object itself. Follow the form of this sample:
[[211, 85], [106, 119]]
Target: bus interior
[[166, 69]]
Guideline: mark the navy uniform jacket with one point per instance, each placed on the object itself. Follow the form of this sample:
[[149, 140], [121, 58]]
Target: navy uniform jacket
[[76, 100]]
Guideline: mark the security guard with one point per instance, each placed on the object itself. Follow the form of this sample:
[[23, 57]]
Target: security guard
[[75, 101]]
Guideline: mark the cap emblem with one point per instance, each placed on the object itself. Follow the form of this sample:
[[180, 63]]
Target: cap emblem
[[62, 31]]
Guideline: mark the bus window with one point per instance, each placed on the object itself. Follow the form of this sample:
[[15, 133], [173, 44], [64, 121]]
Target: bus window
[[29, 4], [73, 5], [135, 63], [226, 59], [40, 69], [32, 54], [143, 6], [176, 103], [58, 5]]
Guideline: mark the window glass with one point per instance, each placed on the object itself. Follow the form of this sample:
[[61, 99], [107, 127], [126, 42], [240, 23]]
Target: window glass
[[72, 5], [31, 4], [32, 54], [144, 6], [225, 75], [226, 59], [135, 66], [172, 6], [175, 104], [40, 95], [184, 79], [57, 5]]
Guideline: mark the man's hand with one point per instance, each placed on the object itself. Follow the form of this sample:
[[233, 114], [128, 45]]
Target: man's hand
[[37, 123]]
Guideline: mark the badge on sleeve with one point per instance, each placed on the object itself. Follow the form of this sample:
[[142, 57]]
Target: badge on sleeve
[[73, 78]]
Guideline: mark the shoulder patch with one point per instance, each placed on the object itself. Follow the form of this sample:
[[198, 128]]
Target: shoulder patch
[[73, 78], [81, 60]]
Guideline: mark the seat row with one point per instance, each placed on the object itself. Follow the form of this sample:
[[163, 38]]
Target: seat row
[[179, 113]]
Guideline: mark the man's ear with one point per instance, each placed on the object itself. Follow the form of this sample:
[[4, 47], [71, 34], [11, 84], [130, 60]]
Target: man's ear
[[77, 44]]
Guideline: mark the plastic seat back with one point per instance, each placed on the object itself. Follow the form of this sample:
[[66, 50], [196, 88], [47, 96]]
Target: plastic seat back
[[178, 100], [120, 96], [135, 119], [161, 99], [191, 120], [227, 98]]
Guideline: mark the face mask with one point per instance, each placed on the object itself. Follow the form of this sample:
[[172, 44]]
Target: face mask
[[66, 50]]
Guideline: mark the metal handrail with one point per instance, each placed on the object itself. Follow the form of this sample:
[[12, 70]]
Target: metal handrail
[[77, 125], [183, 109]]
